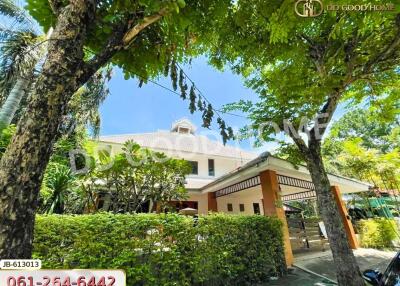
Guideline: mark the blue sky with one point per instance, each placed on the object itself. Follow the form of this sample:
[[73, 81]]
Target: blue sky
[[130, 109]]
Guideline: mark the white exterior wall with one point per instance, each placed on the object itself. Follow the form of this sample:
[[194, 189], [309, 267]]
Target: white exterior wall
[[202, 201], [222, 165], [246, 197]]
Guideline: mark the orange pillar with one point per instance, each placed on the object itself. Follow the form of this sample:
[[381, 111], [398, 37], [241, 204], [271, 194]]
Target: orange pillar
[[348, 226], [212, 202], [273, 207]]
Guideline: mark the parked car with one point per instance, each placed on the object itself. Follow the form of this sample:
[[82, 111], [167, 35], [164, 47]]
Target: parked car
[[391, 276]]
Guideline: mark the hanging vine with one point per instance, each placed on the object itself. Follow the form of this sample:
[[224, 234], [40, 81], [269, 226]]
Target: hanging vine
[[196, 100], [182, 84], [192, 98]]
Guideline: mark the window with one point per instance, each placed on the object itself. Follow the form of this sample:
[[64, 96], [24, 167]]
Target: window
[[195, 167], [100, 204], [230, 208], [183, 130], [241, 207], [211, 169], [256, 208]]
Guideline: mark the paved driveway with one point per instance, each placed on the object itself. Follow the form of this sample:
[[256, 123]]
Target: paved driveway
[[322, 262], [318, 269], [298, 277]]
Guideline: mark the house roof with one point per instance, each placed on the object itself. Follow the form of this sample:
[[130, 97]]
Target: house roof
[[263, 157], [178, 142], [266, 161]]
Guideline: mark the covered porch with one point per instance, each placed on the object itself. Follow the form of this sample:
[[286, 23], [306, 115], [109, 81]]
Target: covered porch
[[263, 185]]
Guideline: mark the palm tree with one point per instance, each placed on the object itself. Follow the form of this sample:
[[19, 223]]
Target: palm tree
[[22, 49], [84, 104]]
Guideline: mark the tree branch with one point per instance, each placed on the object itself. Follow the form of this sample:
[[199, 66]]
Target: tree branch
[[113, 45], [55, 6], [121, 38], [388, 51], [300, 144], [133, 32], [328, 109], [296, 138]]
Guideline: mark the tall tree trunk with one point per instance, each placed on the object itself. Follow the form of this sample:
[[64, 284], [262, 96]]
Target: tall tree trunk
[[11, 104], [347, 271], [23, 164]]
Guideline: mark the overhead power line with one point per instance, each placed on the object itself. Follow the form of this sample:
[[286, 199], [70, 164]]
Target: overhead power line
[[177, 93], [205, 98]]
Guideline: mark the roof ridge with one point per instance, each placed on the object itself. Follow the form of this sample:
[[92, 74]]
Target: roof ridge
[[201, 142]]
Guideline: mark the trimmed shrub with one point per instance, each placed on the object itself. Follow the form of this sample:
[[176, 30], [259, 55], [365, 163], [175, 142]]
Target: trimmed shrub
[[164, 249], [377, 233]]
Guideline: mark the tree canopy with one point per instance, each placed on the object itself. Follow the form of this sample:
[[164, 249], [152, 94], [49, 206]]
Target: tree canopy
[[363, 146], [369, 126], [137, 176], [180, 34], [302, 67]]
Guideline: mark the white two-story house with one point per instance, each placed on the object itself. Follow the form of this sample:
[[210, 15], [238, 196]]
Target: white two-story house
[[210, 159]]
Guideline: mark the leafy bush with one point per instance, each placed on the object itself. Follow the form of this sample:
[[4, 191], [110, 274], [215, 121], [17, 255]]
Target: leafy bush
[[377, 232], [5, 137], [164, 249]]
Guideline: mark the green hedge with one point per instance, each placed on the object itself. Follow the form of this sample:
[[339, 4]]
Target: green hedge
[[377, 233], [164, 249]]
